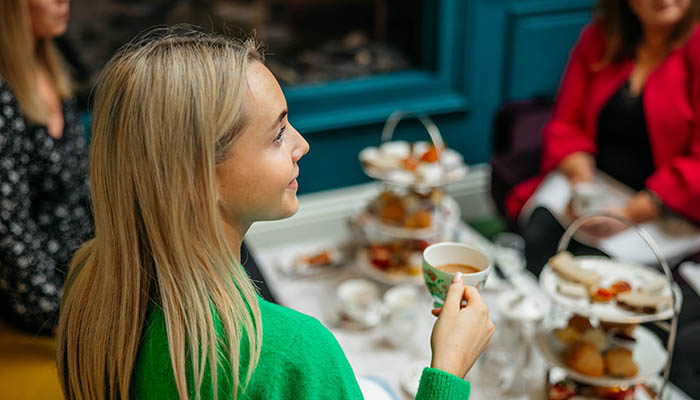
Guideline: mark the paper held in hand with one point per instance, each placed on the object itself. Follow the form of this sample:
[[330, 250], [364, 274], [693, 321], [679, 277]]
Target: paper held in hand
[[675, 237]]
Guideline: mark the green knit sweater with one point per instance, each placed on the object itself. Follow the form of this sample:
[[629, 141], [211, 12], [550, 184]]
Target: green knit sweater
[[299, 359]]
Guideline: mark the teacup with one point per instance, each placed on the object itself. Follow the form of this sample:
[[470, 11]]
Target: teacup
[[586, 198], [401, 314], [359, 302], [439, 256]]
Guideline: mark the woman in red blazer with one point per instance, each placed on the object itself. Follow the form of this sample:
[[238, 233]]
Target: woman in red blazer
[[629, 105]]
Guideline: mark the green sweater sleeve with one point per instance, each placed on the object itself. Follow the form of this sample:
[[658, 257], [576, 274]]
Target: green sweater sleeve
[[437, 384]]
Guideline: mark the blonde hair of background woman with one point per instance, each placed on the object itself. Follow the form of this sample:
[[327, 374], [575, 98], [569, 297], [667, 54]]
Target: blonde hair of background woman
[[18, 56], [166, 111]]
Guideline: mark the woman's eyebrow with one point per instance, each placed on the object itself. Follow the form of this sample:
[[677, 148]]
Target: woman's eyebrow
[[279, 119]]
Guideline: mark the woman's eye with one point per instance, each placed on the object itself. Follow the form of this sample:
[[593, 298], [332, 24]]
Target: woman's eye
[[280, 135]]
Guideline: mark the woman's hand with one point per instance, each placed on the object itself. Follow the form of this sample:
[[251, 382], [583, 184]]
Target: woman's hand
[[578, 167], [639, 209], [460, 334], [603, 227]]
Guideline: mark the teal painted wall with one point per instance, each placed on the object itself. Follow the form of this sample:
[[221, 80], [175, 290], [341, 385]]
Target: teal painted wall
[[488, 52]]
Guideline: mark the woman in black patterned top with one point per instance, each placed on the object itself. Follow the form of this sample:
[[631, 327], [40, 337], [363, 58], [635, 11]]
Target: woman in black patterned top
[[44, 190]]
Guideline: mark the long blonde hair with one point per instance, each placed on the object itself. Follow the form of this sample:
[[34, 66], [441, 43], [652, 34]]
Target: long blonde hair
[[19, 60], [167, 109]]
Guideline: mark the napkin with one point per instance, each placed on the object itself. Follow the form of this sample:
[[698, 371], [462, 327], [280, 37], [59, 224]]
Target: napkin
[[375, 388]]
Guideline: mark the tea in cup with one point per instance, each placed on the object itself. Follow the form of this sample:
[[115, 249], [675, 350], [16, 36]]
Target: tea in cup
[[442, 260]]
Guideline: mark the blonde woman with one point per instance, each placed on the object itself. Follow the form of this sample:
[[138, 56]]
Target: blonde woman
[[44, 192], [191, 145]]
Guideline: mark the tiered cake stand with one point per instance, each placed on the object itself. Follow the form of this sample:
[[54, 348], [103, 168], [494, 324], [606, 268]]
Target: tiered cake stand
[[444, 218], [652, 358]]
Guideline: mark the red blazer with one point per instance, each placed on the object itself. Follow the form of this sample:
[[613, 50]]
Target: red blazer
[[671, 99]]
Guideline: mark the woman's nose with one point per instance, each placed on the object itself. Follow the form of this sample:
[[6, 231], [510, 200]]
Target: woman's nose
[[301, 148]]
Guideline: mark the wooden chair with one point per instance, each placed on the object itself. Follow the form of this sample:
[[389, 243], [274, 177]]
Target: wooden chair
[[27, 366]]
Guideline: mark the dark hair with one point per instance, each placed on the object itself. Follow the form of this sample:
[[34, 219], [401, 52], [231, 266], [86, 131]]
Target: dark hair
[[623, 30]]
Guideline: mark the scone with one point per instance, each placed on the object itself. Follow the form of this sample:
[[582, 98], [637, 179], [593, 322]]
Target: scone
[[619, 363], [595, 337], [580, 323], [567, 335], [585, 359]]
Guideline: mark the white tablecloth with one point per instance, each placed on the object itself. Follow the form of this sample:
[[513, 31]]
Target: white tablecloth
[[368, 353]]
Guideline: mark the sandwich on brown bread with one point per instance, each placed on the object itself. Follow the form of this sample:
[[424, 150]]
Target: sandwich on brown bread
[[566, 266], [642, 302]]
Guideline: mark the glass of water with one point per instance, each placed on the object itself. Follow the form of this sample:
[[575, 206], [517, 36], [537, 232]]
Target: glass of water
[[509, 253]]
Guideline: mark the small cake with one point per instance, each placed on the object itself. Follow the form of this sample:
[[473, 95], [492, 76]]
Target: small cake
[[580, 323], [567, 335], [619, 363], [398, 149], [429, 173], [585, 359], [400, 177], [595, 337]]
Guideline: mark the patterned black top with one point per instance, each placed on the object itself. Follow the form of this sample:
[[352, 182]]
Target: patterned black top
[[44, 211]]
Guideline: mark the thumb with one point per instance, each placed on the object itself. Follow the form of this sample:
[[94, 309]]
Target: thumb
[[455, 293]]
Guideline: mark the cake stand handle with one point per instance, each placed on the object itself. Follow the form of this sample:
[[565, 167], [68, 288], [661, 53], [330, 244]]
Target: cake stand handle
[[670, 343], [576, 225], [398, 115]]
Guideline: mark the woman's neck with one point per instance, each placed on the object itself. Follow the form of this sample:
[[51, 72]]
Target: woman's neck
[[235, 235], [655, 39]]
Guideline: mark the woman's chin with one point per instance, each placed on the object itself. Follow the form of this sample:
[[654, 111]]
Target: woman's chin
[[289, 207]]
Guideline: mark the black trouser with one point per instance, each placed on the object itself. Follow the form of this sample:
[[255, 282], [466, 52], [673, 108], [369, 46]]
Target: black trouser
[[542, 234], [685, 370]]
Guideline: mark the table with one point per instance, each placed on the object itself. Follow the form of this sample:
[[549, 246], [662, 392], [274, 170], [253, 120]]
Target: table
[[368, 353]]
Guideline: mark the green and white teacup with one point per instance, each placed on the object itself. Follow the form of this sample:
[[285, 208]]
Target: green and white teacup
[[442, 260]]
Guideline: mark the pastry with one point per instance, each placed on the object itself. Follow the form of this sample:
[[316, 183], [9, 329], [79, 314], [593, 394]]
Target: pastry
[[619, 363], [566, 266], [601, 295], [642, 302], [571, 289], [567, 335], [655, 284], [420, 219], [585, 359], [614, 393], [595, 337], [580, 323], [393, 212], [620, 287], [398, 149]]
